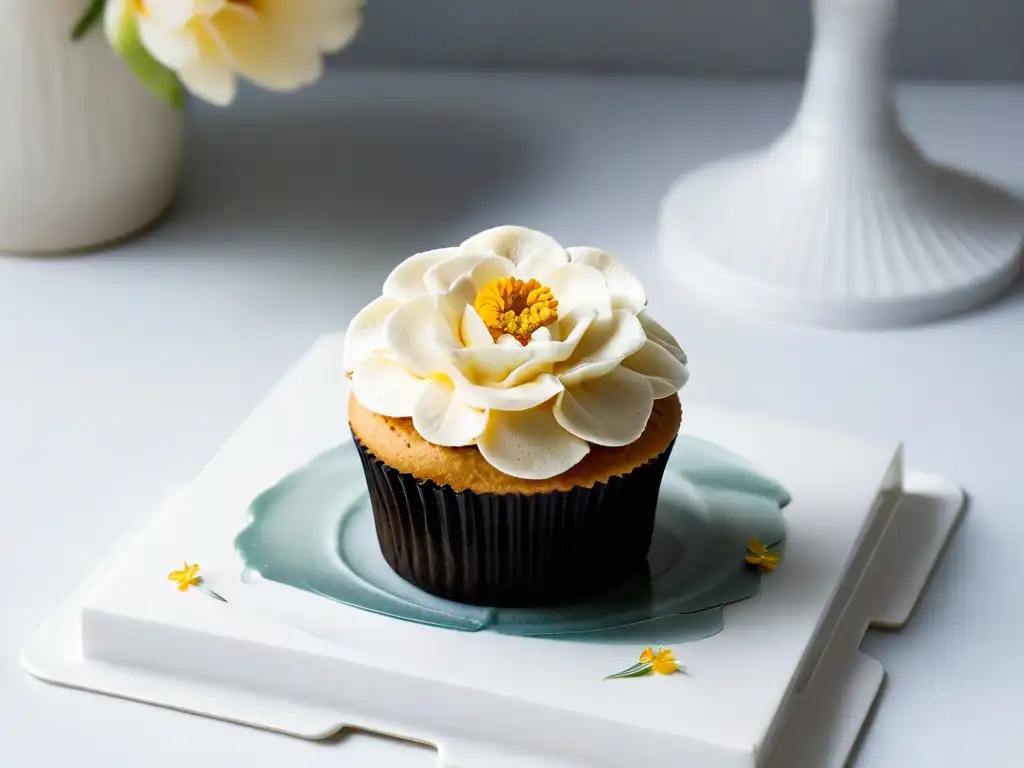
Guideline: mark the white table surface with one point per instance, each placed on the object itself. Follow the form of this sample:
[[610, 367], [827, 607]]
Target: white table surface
[[121, 372]]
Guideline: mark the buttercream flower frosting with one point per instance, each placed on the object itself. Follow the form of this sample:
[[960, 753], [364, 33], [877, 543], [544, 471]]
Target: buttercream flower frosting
[[511, 343]]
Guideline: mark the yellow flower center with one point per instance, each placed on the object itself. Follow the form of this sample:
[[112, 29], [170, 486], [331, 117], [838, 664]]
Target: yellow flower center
[[509, 305]]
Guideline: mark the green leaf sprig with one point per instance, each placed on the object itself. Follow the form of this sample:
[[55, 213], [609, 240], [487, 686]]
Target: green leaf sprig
[[88, 19], [124, 38]]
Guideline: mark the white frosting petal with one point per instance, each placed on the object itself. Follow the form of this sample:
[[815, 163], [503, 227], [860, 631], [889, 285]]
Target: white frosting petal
[[656, 333], [418, 337], [405, 282], [472, 330], [541, 335], [576, 287], [544, 354], [441, 418], [569, 323], [480, 269], [365, 334], [383, 386], [626, 290], [463, 291], [532, 252], [488, 270], [530, 444], [665, 373], [491, 364], [612, 410], [439, 277], [528, 395], [452, 305], [605, 345]]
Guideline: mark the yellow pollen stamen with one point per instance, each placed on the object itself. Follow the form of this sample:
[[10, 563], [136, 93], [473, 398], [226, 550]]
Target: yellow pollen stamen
[[508, 305]]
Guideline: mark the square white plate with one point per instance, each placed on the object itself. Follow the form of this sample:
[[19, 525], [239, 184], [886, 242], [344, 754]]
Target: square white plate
[[783, 684]]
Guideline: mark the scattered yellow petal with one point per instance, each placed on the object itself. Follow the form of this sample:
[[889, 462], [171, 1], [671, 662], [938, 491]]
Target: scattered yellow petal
[[187, 577], [664, 662], [508, 305], [759, 555]]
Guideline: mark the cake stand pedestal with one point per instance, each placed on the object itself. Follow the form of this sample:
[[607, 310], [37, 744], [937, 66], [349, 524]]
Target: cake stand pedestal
[[842, 221], [784, 683]]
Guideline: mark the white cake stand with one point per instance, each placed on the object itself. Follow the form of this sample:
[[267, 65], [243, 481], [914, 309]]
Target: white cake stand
[[842, 221]]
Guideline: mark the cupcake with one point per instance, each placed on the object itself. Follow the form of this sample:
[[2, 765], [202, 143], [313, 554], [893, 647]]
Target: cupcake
[[514, 407]]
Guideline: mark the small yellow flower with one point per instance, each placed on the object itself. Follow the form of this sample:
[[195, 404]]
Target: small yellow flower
[[187, 577], [662, 663], [759, 555]]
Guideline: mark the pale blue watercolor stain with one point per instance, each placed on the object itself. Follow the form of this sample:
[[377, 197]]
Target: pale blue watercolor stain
[[314, 531]]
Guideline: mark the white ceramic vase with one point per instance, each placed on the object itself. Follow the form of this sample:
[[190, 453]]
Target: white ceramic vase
[[88, 155], [842, 221]]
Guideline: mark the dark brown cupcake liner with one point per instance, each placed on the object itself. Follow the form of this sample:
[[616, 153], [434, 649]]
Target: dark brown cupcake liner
[[514, 549]]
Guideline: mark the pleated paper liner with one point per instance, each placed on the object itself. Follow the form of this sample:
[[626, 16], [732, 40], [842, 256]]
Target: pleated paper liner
[[514, 549]]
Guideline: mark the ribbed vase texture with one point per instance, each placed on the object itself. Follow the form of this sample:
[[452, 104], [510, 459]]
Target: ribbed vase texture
[[87, 154]]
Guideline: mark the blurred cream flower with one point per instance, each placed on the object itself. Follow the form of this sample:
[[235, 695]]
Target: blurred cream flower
[[207, 44]]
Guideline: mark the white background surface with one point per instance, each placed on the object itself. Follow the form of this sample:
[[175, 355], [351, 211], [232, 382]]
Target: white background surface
[[122, 372]]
